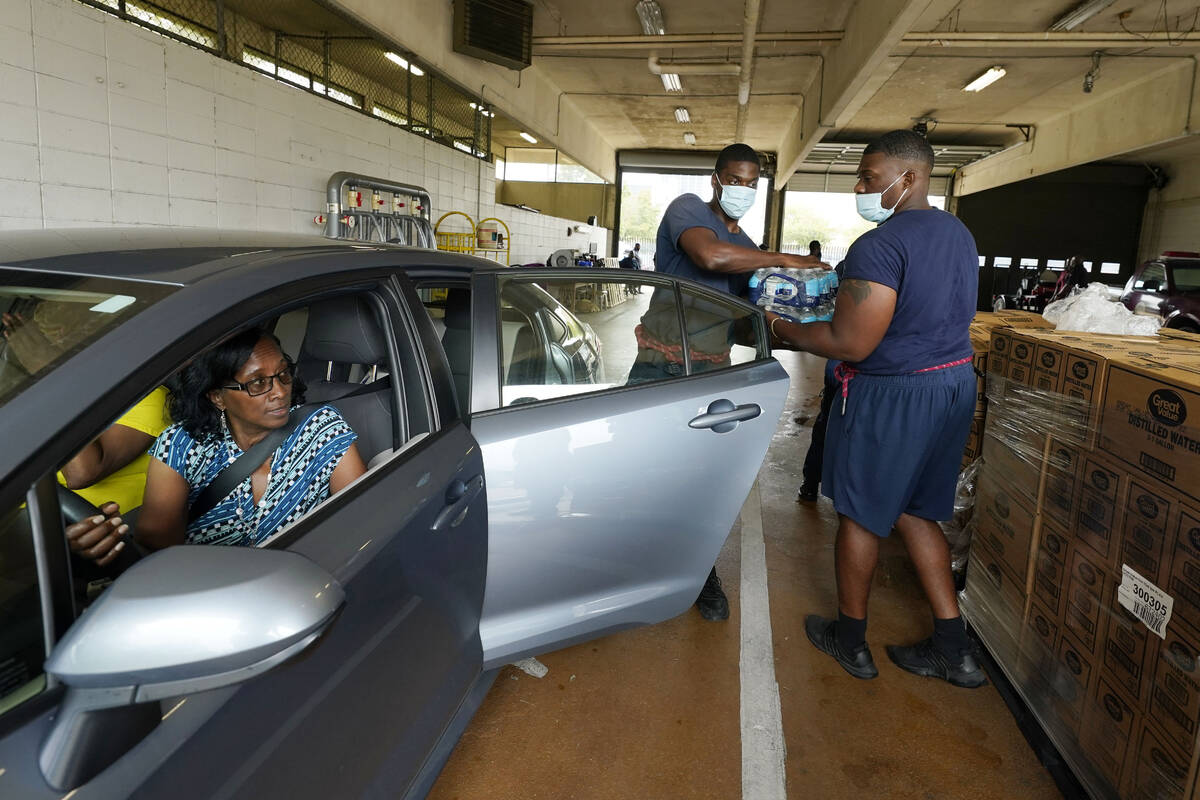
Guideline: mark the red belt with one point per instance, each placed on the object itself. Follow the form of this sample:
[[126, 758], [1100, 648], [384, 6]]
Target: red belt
[[844, 374]]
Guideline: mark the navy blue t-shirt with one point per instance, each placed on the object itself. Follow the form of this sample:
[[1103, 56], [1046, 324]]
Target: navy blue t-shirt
[[929, 257], [689, 211]]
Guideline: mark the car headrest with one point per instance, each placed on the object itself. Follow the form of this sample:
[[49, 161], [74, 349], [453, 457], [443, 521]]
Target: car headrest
[[458, 309], [344, 330]]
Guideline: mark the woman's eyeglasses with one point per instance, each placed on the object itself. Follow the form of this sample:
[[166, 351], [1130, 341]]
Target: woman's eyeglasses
[[256, 386]]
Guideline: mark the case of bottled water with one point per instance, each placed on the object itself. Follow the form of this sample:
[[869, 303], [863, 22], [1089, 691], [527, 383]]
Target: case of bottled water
[[800, 295]]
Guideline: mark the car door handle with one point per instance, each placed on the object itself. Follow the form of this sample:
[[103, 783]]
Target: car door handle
[[723, 416], [458, 498]]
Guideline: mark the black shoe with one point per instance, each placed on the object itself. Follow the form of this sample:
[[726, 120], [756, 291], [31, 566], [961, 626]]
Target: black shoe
[[712, 602], [808, 492], [823, 634], [924, 659]]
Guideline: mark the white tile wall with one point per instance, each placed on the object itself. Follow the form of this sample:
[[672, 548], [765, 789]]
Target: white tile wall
[[104, 122]]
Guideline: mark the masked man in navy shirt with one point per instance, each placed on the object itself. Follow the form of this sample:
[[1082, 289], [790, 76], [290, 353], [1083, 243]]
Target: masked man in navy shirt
[[702, 241], [903, 407]]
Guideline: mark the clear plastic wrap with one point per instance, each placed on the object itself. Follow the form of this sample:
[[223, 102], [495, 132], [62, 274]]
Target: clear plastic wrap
[[1062, 532], [1092, 310], [958, 529]]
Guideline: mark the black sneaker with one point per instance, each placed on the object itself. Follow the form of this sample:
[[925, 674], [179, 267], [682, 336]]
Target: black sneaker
[[712, 602], [924, 659], [808, 492], [823, 634]]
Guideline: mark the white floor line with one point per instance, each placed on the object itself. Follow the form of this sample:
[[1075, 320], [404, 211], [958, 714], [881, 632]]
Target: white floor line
[[763, 750]]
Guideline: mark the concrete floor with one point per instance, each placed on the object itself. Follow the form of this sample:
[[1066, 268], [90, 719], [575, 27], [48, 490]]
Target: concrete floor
[[655, 712]]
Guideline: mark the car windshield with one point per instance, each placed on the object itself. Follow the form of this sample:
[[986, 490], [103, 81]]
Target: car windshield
[[1187, 279], [45, 318]]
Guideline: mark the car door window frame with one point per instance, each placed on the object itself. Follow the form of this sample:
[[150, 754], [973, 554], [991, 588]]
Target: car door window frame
[[486, 288]]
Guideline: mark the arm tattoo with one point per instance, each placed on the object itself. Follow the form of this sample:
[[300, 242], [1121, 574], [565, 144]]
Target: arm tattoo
[[858, 290]]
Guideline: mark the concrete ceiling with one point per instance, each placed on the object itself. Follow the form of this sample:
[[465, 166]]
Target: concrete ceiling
[[921, 74]]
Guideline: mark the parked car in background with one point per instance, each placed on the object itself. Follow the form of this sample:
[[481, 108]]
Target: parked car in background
[[1167, 287], [522, 495]]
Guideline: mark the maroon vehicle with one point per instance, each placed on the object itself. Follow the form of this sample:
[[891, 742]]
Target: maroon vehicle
[[1167, 287]]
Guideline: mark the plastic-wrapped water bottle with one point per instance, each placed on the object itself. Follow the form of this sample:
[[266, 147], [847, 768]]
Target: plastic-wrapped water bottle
[[756, 285]]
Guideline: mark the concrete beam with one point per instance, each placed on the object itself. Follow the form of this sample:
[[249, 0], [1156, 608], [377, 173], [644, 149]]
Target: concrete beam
[[1154, 110], [528, 96], [852, 72]]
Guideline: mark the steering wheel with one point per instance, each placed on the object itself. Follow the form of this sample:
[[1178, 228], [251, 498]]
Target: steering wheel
[[74, 507]]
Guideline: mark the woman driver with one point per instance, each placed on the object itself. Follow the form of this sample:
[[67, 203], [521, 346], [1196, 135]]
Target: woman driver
[[229, 399]]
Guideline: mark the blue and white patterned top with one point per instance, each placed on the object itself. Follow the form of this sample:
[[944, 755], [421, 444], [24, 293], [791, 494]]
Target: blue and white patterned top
[[299, 479]]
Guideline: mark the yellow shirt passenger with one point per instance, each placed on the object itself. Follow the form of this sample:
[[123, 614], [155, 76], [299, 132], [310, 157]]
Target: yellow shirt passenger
[[127, 485]]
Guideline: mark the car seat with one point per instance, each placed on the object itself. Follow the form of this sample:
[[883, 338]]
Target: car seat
[[344, 333], [456, 341]]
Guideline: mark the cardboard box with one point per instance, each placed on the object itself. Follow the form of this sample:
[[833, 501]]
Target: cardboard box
[[1184, 584], [1001, 599], [1174, 334], [1007, 525], [1015, 462], [998, 351], [1159, 771], [1087, 589], [1019, 368], [974, 448], [1128, 650], [1108, 726], [1149, 509], [1042, 632], [1071, 678], [1099, 510], [1064, 463], [1050, 570], [1174, 698], [1151, 421]]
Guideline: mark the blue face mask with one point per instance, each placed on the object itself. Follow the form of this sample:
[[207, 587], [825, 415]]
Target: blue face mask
[[736, 200], [870, 206]]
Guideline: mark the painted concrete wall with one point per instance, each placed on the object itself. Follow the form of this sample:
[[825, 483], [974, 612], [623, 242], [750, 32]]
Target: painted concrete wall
[[527, 96], [1172, 220], [106, 123]]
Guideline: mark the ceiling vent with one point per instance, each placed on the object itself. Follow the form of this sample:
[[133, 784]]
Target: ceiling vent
[[499, 31]]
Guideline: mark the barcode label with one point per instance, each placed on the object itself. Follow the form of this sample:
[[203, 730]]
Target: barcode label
[[1145, 601]]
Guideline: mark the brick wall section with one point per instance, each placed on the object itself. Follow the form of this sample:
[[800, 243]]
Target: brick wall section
[[103, 122]]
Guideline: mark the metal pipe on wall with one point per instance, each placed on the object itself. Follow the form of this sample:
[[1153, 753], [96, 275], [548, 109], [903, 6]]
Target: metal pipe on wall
[[749, 32], [335, 190]]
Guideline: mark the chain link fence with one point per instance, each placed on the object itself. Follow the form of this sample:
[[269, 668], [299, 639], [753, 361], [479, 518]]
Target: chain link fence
[[307, 45]]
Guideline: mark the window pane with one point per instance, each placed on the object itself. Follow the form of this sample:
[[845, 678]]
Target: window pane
[[22, 643], [720, 333], [51, 316], [568, 336]]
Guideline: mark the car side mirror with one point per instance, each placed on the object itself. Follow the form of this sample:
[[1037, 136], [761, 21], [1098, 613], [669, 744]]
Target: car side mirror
[[183, 620]]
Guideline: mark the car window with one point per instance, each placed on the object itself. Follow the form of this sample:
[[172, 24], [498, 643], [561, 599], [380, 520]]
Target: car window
[[22, 638], [1152, 279], [721, 333], [563, 336], [47, 317], [1187, 279]]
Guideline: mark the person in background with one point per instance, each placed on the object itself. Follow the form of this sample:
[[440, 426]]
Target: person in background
[[814, 249], [703, 241], [907, 394], [1073, 276], [815, 456], [633, 260]]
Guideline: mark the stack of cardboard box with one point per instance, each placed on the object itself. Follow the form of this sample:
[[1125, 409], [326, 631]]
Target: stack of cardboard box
[[981, 342], [1088, 527]]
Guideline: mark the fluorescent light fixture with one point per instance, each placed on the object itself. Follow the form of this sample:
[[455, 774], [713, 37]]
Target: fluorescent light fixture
[[689, 138], [651, 16], [1080, 14], [403, 62], [671, 82], [482, 110], [528, 138], [985, 80], [682, 116]]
